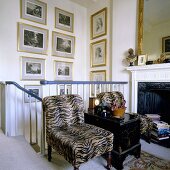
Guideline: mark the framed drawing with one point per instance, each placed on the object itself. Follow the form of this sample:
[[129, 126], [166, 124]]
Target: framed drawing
[[65, 89], [63, 70], [64, 20], [142, 60], [99, 23], [166, 45], [63, 45], [98, 53], [34, 10], [36, 89], [32, 39], [97, 76], [32, 68]]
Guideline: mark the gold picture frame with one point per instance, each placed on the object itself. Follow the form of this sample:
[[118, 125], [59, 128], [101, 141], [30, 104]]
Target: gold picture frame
[[166, 45], [64, 20], [32, 68], [98, 53], [63, 45], [32, 39], [99, 23], [34, 10], [63, 70], [99, 75]]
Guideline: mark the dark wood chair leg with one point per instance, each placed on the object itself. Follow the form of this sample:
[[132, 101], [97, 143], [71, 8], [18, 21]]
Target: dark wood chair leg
[[49, 153], [76, 168], [109, 161]]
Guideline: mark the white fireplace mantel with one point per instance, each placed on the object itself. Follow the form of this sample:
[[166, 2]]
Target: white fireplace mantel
[[147, 73]]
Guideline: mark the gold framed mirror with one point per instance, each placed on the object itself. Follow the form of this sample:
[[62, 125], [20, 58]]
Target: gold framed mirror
[[154, 28], [140, 25]]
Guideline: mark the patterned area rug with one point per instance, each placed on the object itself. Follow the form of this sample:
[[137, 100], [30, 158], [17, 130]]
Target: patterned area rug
[[147, 162]]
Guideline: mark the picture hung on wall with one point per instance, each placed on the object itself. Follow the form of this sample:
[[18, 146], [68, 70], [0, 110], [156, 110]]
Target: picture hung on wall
[[97, 76], [64, 20], [34, 10], [166, 45], [32, 39], [99, 23], [36, 89], [32, 68], [142, 59], [98, 53], [65, 89], [63, 70], [63, 45]]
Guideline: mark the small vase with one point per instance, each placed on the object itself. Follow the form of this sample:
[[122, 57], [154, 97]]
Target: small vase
[[119, 112]]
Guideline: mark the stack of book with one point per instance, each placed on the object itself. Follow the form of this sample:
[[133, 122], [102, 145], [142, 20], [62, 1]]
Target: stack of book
[[154, 117], [161, 130]]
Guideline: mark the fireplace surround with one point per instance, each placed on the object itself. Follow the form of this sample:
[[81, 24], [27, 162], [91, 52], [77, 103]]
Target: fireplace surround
[[154, 80]]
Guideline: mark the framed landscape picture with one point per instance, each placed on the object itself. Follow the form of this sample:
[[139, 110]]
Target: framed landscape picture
[[32, 68], [97, 76], [166, 45], [63, 45], [34, 10], [32, 39], [99, 23], [64, 20], [98, 53], [36, 89], [63, 70]]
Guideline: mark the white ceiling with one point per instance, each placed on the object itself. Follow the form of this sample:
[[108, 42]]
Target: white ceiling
[[156, 11], [85, 3]]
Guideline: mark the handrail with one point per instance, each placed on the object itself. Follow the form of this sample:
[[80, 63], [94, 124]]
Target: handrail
[[46, 82], [23, 89]]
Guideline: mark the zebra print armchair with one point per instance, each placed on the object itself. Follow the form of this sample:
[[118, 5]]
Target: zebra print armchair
[[67, 133]]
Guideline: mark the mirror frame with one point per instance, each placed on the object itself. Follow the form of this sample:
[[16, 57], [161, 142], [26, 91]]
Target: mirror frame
[[140, 26]]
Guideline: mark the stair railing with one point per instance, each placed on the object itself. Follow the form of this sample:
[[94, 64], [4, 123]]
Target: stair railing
[[31, 97]]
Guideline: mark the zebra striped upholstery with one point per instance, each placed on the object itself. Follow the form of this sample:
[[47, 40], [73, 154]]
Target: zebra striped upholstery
[[114, 98], [67, 133]]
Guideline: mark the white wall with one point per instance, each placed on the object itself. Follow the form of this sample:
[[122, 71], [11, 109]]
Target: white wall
[[124, 35]]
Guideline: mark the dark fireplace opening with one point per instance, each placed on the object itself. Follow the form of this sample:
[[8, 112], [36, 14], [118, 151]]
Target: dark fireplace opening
[[154, 98]]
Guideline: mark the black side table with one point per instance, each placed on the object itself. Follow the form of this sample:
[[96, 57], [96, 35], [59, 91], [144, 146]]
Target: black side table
[[126, 135]]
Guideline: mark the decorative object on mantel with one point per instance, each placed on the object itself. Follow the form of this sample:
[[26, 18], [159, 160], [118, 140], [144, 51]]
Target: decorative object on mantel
[[142, 59], [161, 59], [131, 58]]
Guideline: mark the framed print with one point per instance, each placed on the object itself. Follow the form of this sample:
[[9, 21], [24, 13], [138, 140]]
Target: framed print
[[97, 76], [65, 89], [63, 70], [34, 10], [36, 89], [99, 23], [32, 39], [98, 53], [64, 20], [32, 68], [63, 45], [141, 60], [166, 45]]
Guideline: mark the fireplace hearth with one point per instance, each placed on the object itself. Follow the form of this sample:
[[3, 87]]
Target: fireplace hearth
[[154, 98]]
